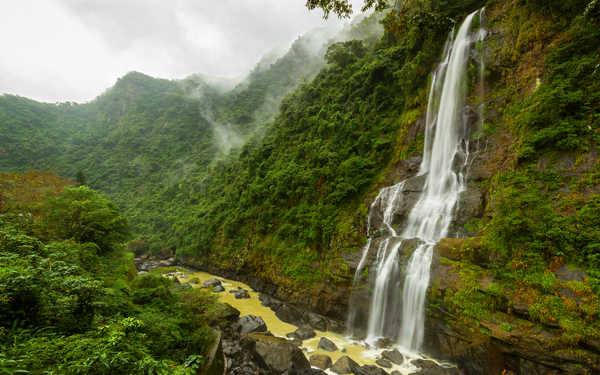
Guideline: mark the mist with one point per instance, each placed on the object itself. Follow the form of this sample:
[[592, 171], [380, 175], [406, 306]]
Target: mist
[[73, 50]]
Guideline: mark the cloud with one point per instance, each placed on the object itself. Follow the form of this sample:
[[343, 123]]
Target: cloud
[[58, 50]]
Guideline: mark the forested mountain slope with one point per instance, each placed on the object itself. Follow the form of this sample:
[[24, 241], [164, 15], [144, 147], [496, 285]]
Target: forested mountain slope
[[522, 282], [138, 140]]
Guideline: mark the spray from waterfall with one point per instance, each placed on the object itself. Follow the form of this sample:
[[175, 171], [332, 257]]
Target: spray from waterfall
[[446, 156]]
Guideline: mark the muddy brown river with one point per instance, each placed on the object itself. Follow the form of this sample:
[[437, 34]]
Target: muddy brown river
[[356, 350]]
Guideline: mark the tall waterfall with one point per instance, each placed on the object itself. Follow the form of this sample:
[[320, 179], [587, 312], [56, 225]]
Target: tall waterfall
[[443, 169]]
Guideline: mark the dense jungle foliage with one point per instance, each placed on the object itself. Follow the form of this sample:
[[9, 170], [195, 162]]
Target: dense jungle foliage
[[70, 300], [291, 198], [138, 140]]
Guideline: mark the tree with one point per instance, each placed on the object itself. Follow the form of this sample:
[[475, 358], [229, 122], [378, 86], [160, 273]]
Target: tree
[[80, 178], [84, 215], [343, 8], [344, 53]]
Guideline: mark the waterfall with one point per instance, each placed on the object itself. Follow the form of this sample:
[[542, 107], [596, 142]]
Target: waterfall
[[443, 169]]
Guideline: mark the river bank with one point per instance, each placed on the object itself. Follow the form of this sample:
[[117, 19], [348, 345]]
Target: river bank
[[254, 322]]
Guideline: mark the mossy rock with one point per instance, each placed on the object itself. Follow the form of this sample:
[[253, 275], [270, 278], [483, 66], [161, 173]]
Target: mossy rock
[[463, 249]]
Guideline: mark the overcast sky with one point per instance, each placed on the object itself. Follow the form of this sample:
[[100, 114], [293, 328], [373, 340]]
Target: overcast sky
[[73, 50]]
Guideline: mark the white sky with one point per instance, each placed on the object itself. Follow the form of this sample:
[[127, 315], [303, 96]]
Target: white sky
[[73, 50]]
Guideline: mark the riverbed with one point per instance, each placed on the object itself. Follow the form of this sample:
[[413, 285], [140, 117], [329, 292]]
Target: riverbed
[[354, 349]]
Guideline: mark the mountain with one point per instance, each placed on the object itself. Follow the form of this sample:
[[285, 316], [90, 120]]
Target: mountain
[[276, 188], [139, 140]]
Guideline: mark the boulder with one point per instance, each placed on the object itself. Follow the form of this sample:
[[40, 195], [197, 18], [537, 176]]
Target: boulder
[[327, 345], [317, 321], [249, 324], [432, 368], [383, 342], [241, 294], [289, 314], [424, 364], [321, 361], [383, 363], [344, 365], [211, 283], [393, 356], [303, 333], [218, 289], [268, 301], [335, 326], [278, 354]]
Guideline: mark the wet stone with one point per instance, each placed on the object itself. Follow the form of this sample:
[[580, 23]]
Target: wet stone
[[304, 333], [327, 345], [393, 356], [279, 354], [369, 370], [425, 364], [383, 342], [218, 289], [211, 283], [317, 321], [321, 361], [383, 363], [251, 323], [344, 365], [241, 294]]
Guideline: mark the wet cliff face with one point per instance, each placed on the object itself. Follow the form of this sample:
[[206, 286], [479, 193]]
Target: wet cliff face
[[515, 299], [506, 294], [504, 337]]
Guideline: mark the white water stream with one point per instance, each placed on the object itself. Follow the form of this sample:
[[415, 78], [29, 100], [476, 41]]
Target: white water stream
[[444, 165]]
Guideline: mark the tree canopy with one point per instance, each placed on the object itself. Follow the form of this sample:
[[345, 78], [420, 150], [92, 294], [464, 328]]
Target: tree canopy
[[343, 8]]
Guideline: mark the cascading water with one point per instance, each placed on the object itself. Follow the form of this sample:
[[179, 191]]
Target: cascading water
[[443, 169]]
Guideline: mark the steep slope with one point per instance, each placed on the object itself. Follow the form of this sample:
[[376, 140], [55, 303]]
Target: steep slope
[[517, 290], [137, 141], [296, 198]]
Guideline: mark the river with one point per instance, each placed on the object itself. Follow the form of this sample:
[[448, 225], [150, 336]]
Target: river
[[359, 351]]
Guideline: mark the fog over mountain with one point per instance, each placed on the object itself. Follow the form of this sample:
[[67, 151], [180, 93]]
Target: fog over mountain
[[72, 50]]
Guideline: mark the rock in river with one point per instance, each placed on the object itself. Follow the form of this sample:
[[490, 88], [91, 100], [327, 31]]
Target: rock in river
[[321, 361], [210, 283], [384, 363], [303, 333], [344, 365], [393, 356], [241, 293], [251, 323], [278, 353], [327, 345]]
